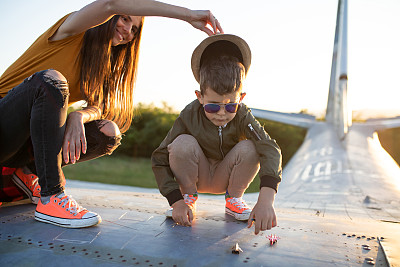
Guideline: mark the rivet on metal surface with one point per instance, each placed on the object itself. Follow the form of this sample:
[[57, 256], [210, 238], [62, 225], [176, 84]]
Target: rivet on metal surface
[[369, 259], [371, 262]]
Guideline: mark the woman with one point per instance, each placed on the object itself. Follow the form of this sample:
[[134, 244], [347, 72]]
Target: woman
[[90, 55]]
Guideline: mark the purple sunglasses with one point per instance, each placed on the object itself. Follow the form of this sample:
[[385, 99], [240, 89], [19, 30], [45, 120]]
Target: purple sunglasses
[[214, 108]]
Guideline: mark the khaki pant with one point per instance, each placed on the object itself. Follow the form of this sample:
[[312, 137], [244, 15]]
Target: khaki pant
[[195, 173]]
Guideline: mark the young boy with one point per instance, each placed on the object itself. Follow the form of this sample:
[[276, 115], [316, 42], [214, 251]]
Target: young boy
[[216, 145]]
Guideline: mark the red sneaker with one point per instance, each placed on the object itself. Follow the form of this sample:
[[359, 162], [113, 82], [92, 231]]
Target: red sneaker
[[64, 211], [29, 183], [237, 208]]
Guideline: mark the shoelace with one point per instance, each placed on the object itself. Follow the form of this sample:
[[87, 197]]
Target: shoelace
[[189, 199], [238, 202], [35, 183], [72, 206]]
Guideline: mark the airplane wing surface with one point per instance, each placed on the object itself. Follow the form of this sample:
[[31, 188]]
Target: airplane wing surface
[[135, 231], [296, 119], [380, 124]]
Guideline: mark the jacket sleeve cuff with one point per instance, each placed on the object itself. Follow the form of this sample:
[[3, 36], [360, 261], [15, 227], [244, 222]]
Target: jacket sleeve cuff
[[174, 196], [269, 181]]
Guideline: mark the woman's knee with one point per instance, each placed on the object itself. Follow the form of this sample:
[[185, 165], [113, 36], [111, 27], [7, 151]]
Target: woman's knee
[[56, 85], [54, 75], [110, 129], [112, 135]]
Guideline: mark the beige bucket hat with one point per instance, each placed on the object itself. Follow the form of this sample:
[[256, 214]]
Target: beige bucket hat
[[220, 44]]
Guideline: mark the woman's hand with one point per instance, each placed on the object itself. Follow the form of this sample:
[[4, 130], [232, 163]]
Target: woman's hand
[[74, 138], [201, 18]]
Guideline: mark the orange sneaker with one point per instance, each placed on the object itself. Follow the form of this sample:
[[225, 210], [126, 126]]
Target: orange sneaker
[[190, 200], [237, 207], [29, 183], [64, 211]]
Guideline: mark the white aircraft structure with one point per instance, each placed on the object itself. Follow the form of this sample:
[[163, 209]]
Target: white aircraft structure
[[338, 205]]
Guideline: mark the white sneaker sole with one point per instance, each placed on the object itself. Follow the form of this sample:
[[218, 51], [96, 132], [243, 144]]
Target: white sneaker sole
[[68, 223], [168, 212], [238, 216], [18, 182]]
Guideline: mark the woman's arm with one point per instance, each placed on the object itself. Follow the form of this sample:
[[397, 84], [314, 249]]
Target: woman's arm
[[100, 11]]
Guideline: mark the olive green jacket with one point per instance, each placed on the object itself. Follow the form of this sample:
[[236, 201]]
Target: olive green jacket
[[216, 142]]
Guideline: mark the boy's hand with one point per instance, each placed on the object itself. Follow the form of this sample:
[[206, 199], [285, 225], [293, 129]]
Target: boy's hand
[[182, 213], [263, 213], [264, 216]]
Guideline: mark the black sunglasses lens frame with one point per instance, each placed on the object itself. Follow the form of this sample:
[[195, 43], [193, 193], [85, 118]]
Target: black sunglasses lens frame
[[214, 108], [232, 107]]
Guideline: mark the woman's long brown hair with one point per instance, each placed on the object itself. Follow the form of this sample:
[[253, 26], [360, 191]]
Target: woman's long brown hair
[[108, 73]]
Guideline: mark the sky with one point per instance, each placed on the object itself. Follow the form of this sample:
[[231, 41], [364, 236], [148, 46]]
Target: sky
[[291, 43]]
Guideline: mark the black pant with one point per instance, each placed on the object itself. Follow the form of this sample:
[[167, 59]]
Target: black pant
[[32, 125]]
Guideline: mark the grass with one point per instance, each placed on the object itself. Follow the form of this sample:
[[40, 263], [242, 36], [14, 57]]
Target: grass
[[122, 171], [114, 170]]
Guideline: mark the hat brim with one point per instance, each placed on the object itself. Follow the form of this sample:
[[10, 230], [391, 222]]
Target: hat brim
[[241, 51]]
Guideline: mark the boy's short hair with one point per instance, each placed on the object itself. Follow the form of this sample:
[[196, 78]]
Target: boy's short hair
[[223, 74]]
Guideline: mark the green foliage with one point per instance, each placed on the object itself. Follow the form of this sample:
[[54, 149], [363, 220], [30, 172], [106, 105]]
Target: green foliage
[[113, 169], [149, 127]]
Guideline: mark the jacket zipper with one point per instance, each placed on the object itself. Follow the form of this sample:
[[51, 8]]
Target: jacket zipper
[[254, 132], [220, 140]]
